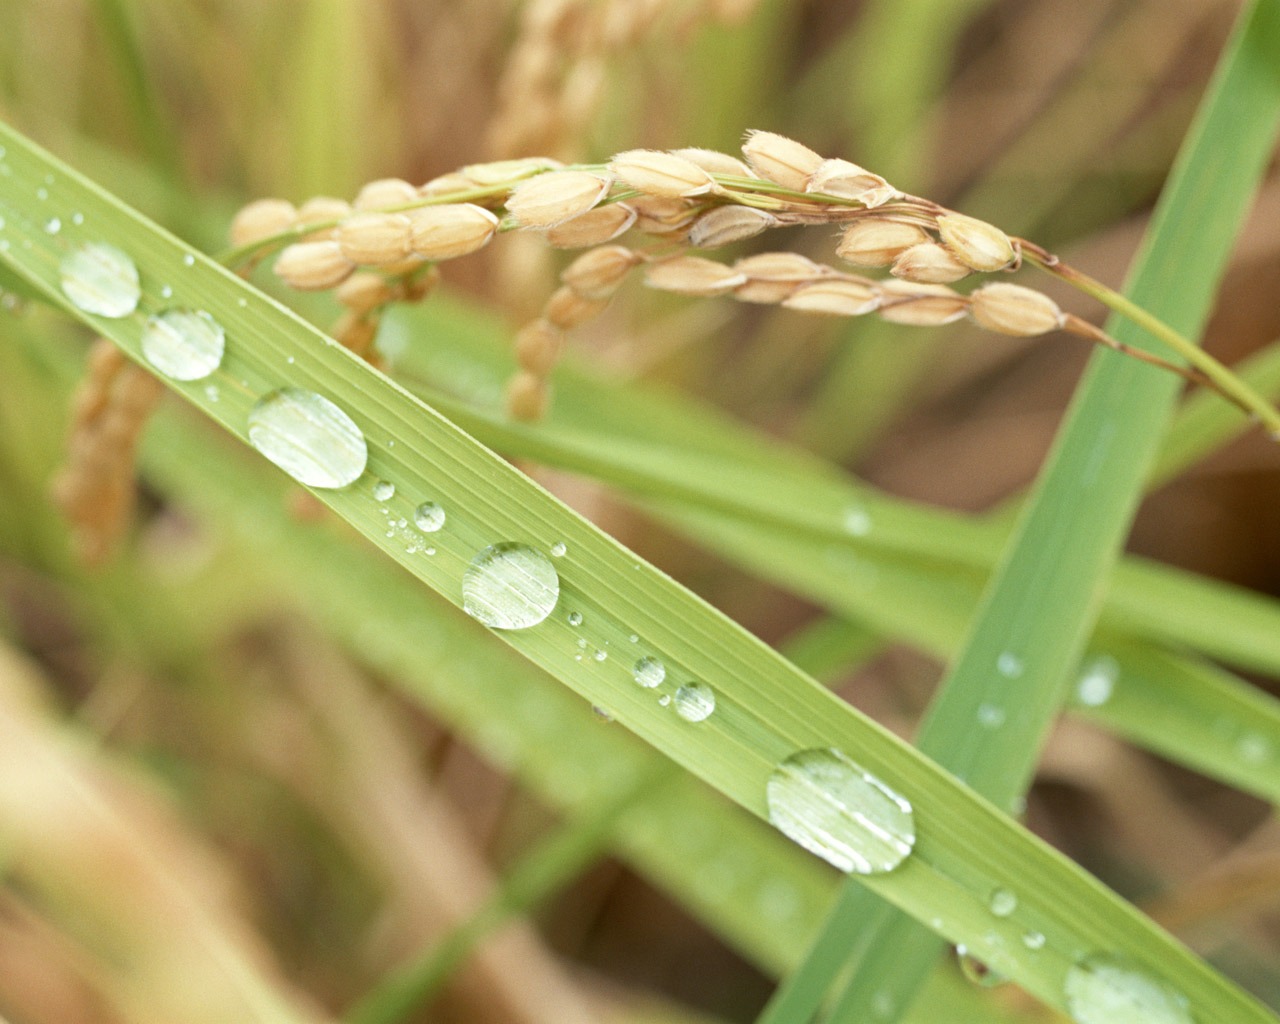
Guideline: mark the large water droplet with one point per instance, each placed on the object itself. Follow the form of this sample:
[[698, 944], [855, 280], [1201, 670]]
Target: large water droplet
[[510, 586], [1106, 989], [695, 702], [99, 278], [308, 437], [1097, 681], [836, 809], [649, 672], [1002, 902], [183, 344], [428, 517]]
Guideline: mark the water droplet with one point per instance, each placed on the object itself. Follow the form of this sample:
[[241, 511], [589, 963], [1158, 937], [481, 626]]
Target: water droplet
[[212, 393], [242, 303], [166, 292], [559, 549], [428, 517], [601, 713], [42, 193], [836, 809], [1033, 940], [77, 218], [384, 490], [664, 700], [976, 971], [575, 619], [1253, 747], [1097, 681], [188, 260], [308, 437], [99, 278], [53, 225], [991, 716], [634, 638], [649, 672], [582, 640], [1009, 665], [510, 586], [1108, 990], [695, 702], [883, 1005], [857, 521], [183, 344], [600, 655], [1002, 902], [430, 551]]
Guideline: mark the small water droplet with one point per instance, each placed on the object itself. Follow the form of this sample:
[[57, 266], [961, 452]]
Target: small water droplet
[[649, 672], [991, 716], [582, 640], [1253, 747], [510, 586], [308, 437], [188, 260], [431, 551], [48, 179], [42, 193], [183, 344], [883, 1005], [601, 713], [600, 655], [664, 700], [575, 619], [1106, 989], [384, 490], [77, 218], [695, 702], [976, 971], [857, 521], [1009, 665], [242, 303], [166, 292], [833, 807], [428, 517], [1098, 681], [634, 638], [1033, 940], [99, 278], [1002, 902], [559, 549], [212, 393], [53, 225]]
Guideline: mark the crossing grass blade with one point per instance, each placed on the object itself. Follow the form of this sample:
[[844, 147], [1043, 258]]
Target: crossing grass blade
[[766, 710]]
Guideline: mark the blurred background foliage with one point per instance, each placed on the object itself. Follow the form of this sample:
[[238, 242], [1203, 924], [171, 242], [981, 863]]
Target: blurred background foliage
[[231, 784]]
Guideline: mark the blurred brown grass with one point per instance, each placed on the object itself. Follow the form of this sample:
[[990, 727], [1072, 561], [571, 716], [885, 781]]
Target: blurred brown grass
[[243, 824]]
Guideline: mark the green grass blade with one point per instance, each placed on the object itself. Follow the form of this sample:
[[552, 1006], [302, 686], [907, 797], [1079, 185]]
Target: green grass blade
[[1042, 603], [766, 710]]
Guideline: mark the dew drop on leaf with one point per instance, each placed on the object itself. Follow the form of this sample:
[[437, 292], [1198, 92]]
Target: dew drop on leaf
[[695, 702], [384, 490], [649, 672], [183, 344], [100, 279], [510, 586], [428, 517], [1106, 989], [833, 807], [308, 437]]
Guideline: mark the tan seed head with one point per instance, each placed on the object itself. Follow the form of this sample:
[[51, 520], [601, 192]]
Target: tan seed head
[[446, 184], [876, 242], [597, 273], [365, 291], [660, 174], [920, 305], [693, 275], [928, 263], [783, 161], [313, 266], [714, 162], [538, 347], [527, 397], [568, 309], [385, 192], [849, 181], [262, 219], [323, 210], [593, 227], [451, 230], [780, 266], [726, 224], [374, 239], [976, 243], [836, 297], [1013, 309], [498, 171], [661, 215], [555, 197]]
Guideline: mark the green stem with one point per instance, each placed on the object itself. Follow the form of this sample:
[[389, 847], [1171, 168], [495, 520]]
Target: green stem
[[1230, 384]]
